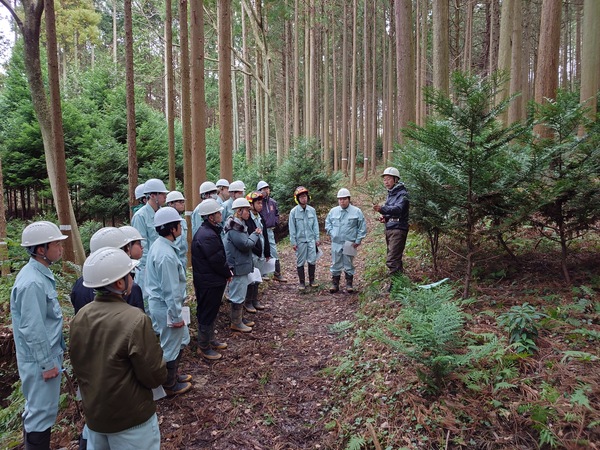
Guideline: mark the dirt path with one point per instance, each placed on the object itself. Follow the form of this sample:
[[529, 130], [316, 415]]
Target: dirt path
[[267, 392]]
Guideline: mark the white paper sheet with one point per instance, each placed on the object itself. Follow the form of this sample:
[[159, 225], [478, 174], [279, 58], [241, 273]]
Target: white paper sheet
[[349, 249], [254, 277], [185, 314], [268, 267]]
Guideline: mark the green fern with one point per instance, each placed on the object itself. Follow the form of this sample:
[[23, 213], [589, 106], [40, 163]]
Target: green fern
[[356, 443]]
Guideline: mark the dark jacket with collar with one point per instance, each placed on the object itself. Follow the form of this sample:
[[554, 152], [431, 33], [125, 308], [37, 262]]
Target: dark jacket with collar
[[117, 361], [395, 209], [209, 261], [258, 247], [81, 296]]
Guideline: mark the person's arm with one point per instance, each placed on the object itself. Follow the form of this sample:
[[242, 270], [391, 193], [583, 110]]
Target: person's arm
[[315, 227], [362, 228], [329, 223], [145, 354], [33, 303], [168, 274], [292, 227], [211, 249], [396, 207]]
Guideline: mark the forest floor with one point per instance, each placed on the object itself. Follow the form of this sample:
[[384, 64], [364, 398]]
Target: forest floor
[[274, 388]]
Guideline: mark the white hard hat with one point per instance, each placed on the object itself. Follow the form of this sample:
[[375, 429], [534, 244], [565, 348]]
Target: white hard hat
[[131, 233], [222, 183], [207, 186], [391, 171], [155, 185], [173, 196], [41, 232], [105, 266], [108, 237], [139, 191], [261, 184], [237, 186], [208, 207], [343, 193], [166, 215], [240, 203]]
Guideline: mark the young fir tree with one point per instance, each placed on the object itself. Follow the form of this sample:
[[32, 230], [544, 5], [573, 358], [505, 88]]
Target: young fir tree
[[465, 165], [566, 194]]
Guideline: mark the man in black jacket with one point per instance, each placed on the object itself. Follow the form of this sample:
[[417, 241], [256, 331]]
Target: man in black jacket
[[394, 213], [211, 273]]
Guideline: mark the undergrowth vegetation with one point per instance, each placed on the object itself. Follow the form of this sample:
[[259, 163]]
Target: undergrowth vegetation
[[513, 366]]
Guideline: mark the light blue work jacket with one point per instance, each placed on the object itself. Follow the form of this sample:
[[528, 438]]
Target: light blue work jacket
[[345, 225]]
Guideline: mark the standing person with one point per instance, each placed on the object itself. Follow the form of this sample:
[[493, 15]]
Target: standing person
[[394, 213], [116, 358], [37, 330], [140, 197], [207, 190], [114, 238], [143, 221], [237, 190], [304, 236], [344, 223], [211, 273], [238, 247], [222, 191], [175, 199], [270, 215], [165, 285], [261, 252]]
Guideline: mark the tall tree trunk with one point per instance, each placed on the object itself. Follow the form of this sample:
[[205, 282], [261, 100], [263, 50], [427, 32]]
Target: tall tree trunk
[[366, 88], [195, 173], [225, 100], [114, 30], [186, 107], [353, 113], [405, 68], [285, 67], [374, 96], [468, 47], [344, 93], [335, 122], [441, 76], [516, 110], [132, 168], [247, 93], [546, 82], [170, 91], [505, 51], [296, 72], [4, 261], [422, 75], [326, 126], [590, 63]]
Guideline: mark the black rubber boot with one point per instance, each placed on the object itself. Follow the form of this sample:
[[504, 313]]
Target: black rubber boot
[[301, 278], [182, 378], [349, 280], [277, 276], [172, 386], [255, 301], [311, 275], [335, 284], [214, 343], [237, 311], [37, 440], [204, 347]]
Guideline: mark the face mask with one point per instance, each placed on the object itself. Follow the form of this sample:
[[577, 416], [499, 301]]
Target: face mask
[[213, 196]]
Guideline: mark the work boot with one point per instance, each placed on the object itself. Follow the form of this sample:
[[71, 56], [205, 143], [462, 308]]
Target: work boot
[[172, 386], [37, 440], [214, 343], [312, 268], [180, 377], [277, 276], [335, 284], [349, 279], [236, 319], [248, 306], [204, 347], [255, 301], [301, 278]]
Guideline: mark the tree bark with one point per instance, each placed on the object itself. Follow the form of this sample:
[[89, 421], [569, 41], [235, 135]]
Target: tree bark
[[247, 94], [505, 51], [344, 93], [225, 99], [195, 173], [4, 260], [170, 91], [405, 68], [546, 83], [132, 168], [441, 76], [353, 112], [516, 109], [590, 63]]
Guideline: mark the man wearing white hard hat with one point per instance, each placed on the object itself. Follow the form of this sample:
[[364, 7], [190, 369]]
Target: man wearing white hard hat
[[237, 189], [175, 199], [140, 197], [143, 221], [394, 213], [222, 191], [37, 328], [165, 286], [116, 358], [347, 227], [208, 189]]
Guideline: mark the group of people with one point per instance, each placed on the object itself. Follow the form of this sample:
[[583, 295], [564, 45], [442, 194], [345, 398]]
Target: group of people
[[133, 289]]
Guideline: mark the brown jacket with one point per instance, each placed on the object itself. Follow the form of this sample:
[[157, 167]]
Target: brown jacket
[[117, 361]]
